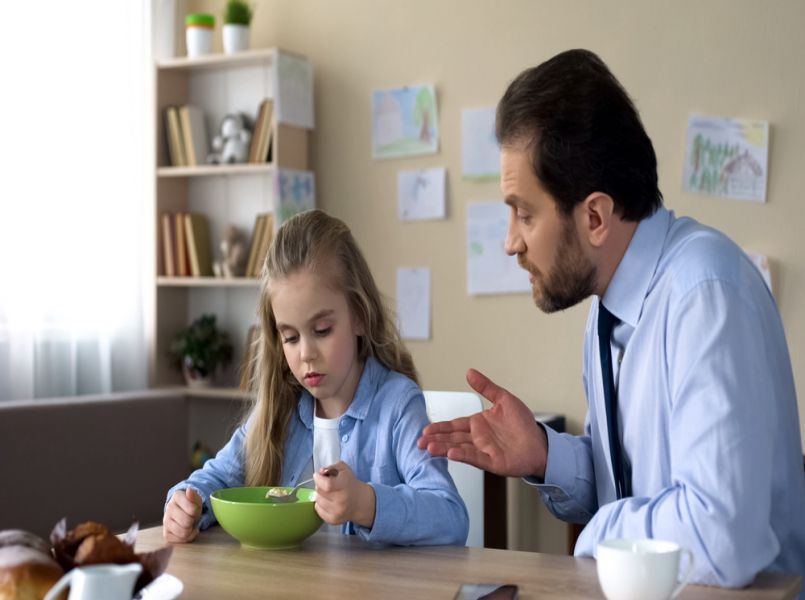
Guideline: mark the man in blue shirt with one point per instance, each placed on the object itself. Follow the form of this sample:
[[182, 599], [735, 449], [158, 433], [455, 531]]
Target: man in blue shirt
[[692, 432]]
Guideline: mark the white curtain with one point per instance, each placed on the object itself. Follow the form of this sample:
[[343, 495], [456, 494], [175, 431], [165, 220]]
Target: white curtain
[[74, 195]]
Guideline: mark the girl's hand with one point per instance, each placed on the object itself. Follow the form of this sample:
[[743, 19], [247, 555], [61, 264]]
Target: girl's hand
[[181, 514], [343, 497]]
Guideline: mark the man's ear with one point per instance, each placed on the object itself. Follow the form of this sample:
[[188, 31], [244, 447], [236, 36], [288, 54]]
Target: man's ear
[[595, 218]]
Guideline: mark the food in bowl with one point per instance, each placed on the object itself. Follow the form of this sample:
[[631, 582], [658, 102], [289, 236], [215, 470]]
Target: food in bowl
[[258, 522]]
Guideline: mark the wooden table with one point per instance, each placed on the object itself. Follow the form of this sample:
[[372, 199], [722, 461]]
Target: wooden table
[[330, 565]]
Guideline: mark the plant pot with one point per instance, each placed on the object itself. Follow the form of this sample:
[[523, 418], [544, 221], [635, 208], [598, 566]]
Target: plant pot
[[195, 379], [199, 34], [236, 38]]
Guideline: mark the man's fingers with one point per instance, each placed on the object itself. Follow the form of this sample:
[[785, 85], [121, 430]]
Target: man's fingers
[[460, 424], [471, 456], [485, 386], [450, 438]]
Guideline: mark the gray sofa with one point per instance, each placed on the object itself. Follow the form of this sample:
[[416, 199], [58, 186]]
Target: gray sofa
[[104, 458]]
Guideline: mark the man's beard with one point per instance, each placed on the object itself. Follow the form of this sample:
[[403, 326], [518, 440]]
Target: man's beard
[[570, 280]]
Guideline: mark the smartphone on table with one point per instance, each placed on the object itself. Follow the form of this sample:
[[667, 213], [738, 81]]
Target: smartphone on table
[[487, 591]]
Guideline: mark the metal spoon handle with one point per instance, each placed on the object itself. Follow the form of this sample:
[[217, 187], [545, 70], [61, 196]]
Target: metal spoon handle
[[331, 472]]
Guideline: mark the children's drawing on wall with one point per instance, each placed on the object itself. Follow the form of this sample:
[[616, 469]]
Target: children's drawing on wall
[[405, 121], [727, 157], [480, 154], [293, 79], [489, 269], [420, 194], [295, 192], [413, 302]]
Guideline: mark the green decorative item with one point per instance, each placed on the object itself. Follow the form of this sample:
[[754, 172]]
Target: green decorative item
[[257, 522], [200, 349], [238, 12], [237, 17]]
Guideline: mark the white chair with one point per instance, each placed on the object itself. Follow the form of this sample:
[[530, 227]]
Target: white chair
[[445, 406]]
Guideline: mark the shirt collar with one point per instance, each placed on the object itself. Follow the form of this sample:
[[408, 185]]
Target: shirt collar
[[359, 407], [629, 286]]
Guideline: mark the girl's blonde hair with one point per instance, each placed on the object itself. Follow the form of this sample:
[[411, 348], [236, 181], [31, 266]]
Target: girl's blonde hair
[[323, 245]]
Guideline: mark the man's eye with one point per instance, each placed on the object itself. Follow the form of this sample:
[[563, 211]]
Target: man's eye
[[526, 219]]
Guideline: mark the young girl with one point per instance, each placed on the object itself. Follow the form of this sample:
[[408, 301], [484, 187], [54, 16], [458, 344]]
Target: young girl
[[334, 386]]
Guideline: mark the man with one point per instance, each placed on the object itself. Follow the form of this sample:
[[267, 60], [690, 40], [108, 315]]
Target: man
[[692, 433]]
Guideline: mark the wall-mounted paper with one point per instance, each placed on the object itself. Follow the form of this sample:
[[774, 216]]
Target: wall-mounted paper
[[489, 269], [294, 192], [294, 84], [762, 263], [405, 121], [727, 157], [480, 153], [413, 302], [420, 194]]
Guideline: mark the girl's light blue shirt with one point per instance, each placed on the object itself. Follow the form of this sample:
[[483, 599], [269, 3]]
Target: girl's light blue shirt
[[417, 501]]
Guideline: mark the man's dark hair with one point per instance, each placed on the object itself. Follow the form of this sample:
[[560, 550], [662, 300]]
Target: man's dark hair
[[584, 134]]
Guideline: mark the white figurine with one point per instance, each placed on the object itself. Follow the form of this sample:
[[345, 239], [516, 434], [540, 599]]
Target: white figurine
[[231, 145]]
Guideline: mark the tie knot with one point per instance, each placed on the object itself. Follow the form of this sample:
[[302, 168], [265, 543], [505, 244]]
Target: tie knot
[[606, 321]]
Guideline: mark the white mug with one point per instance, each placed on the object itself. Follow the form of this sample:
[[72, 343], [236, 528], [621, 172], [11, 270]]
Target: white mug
[[641, 569], [110, 582]]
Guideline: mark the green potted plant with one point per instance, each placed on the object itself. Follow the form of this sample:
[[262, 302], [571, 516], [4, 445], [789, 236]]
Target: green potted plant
[[200, 349], [237, 17]]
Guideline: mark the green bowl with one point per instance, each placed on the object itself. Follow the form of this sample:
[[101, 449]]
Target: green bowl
[[258, 522]]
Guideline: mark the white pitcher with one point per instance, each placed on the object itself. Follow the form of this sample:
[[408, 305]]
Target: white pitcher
[[109, 582]]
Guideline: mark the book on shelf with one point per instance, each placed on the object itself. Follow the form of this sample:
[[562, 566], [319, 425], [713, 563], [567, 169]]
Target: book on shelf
[[168, 245], [194, 134], [255, 243], [182, 262], [249, 356], [198, 244], [261, 136], [173, 133], [265, 243], [262, 236]]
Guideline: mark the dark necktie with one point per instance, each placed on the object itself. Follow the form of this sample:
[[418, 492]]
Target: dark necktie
[[606, 321]]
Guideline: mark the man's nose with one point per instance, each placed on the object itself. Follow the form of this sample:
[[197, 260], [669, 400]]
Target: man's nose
[[514, 241]]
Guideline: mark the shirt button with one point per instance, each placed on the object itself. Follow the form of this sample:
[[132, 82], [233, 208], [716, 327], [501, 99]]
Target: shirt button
[[344, 437]]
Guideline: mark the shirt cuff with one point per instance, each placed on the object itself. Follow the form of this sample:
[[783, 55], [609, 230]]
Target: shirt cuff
[[560, 469], [388, 519]]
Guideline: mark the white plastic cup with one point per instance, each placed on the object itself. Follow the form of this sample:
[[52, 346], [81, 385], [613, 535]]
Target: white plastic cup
[[641, 569]]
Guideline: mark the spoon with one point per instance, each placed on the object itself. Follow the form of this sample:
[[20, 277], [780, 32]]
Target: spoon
[[281, 495]]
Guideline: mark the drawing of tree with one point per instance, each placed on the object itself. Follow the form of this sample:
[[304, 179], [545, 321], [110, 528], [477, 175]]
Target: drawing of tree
[[423, 113]]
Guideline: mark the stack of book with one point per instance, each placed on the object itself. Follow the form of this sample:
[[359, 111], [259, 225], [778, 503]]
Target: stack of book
[[186, 250], [186, 135], [186, 246]]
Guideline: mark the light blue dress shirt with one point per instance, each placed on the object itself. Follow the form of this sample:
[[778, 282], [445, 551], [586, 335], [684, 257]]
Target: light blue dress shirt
[[706, 406], [417, 502]]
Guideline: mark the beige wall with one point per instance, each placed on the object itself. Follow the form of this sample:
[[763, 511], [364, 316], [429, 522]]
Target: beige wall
[[736, 58]]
